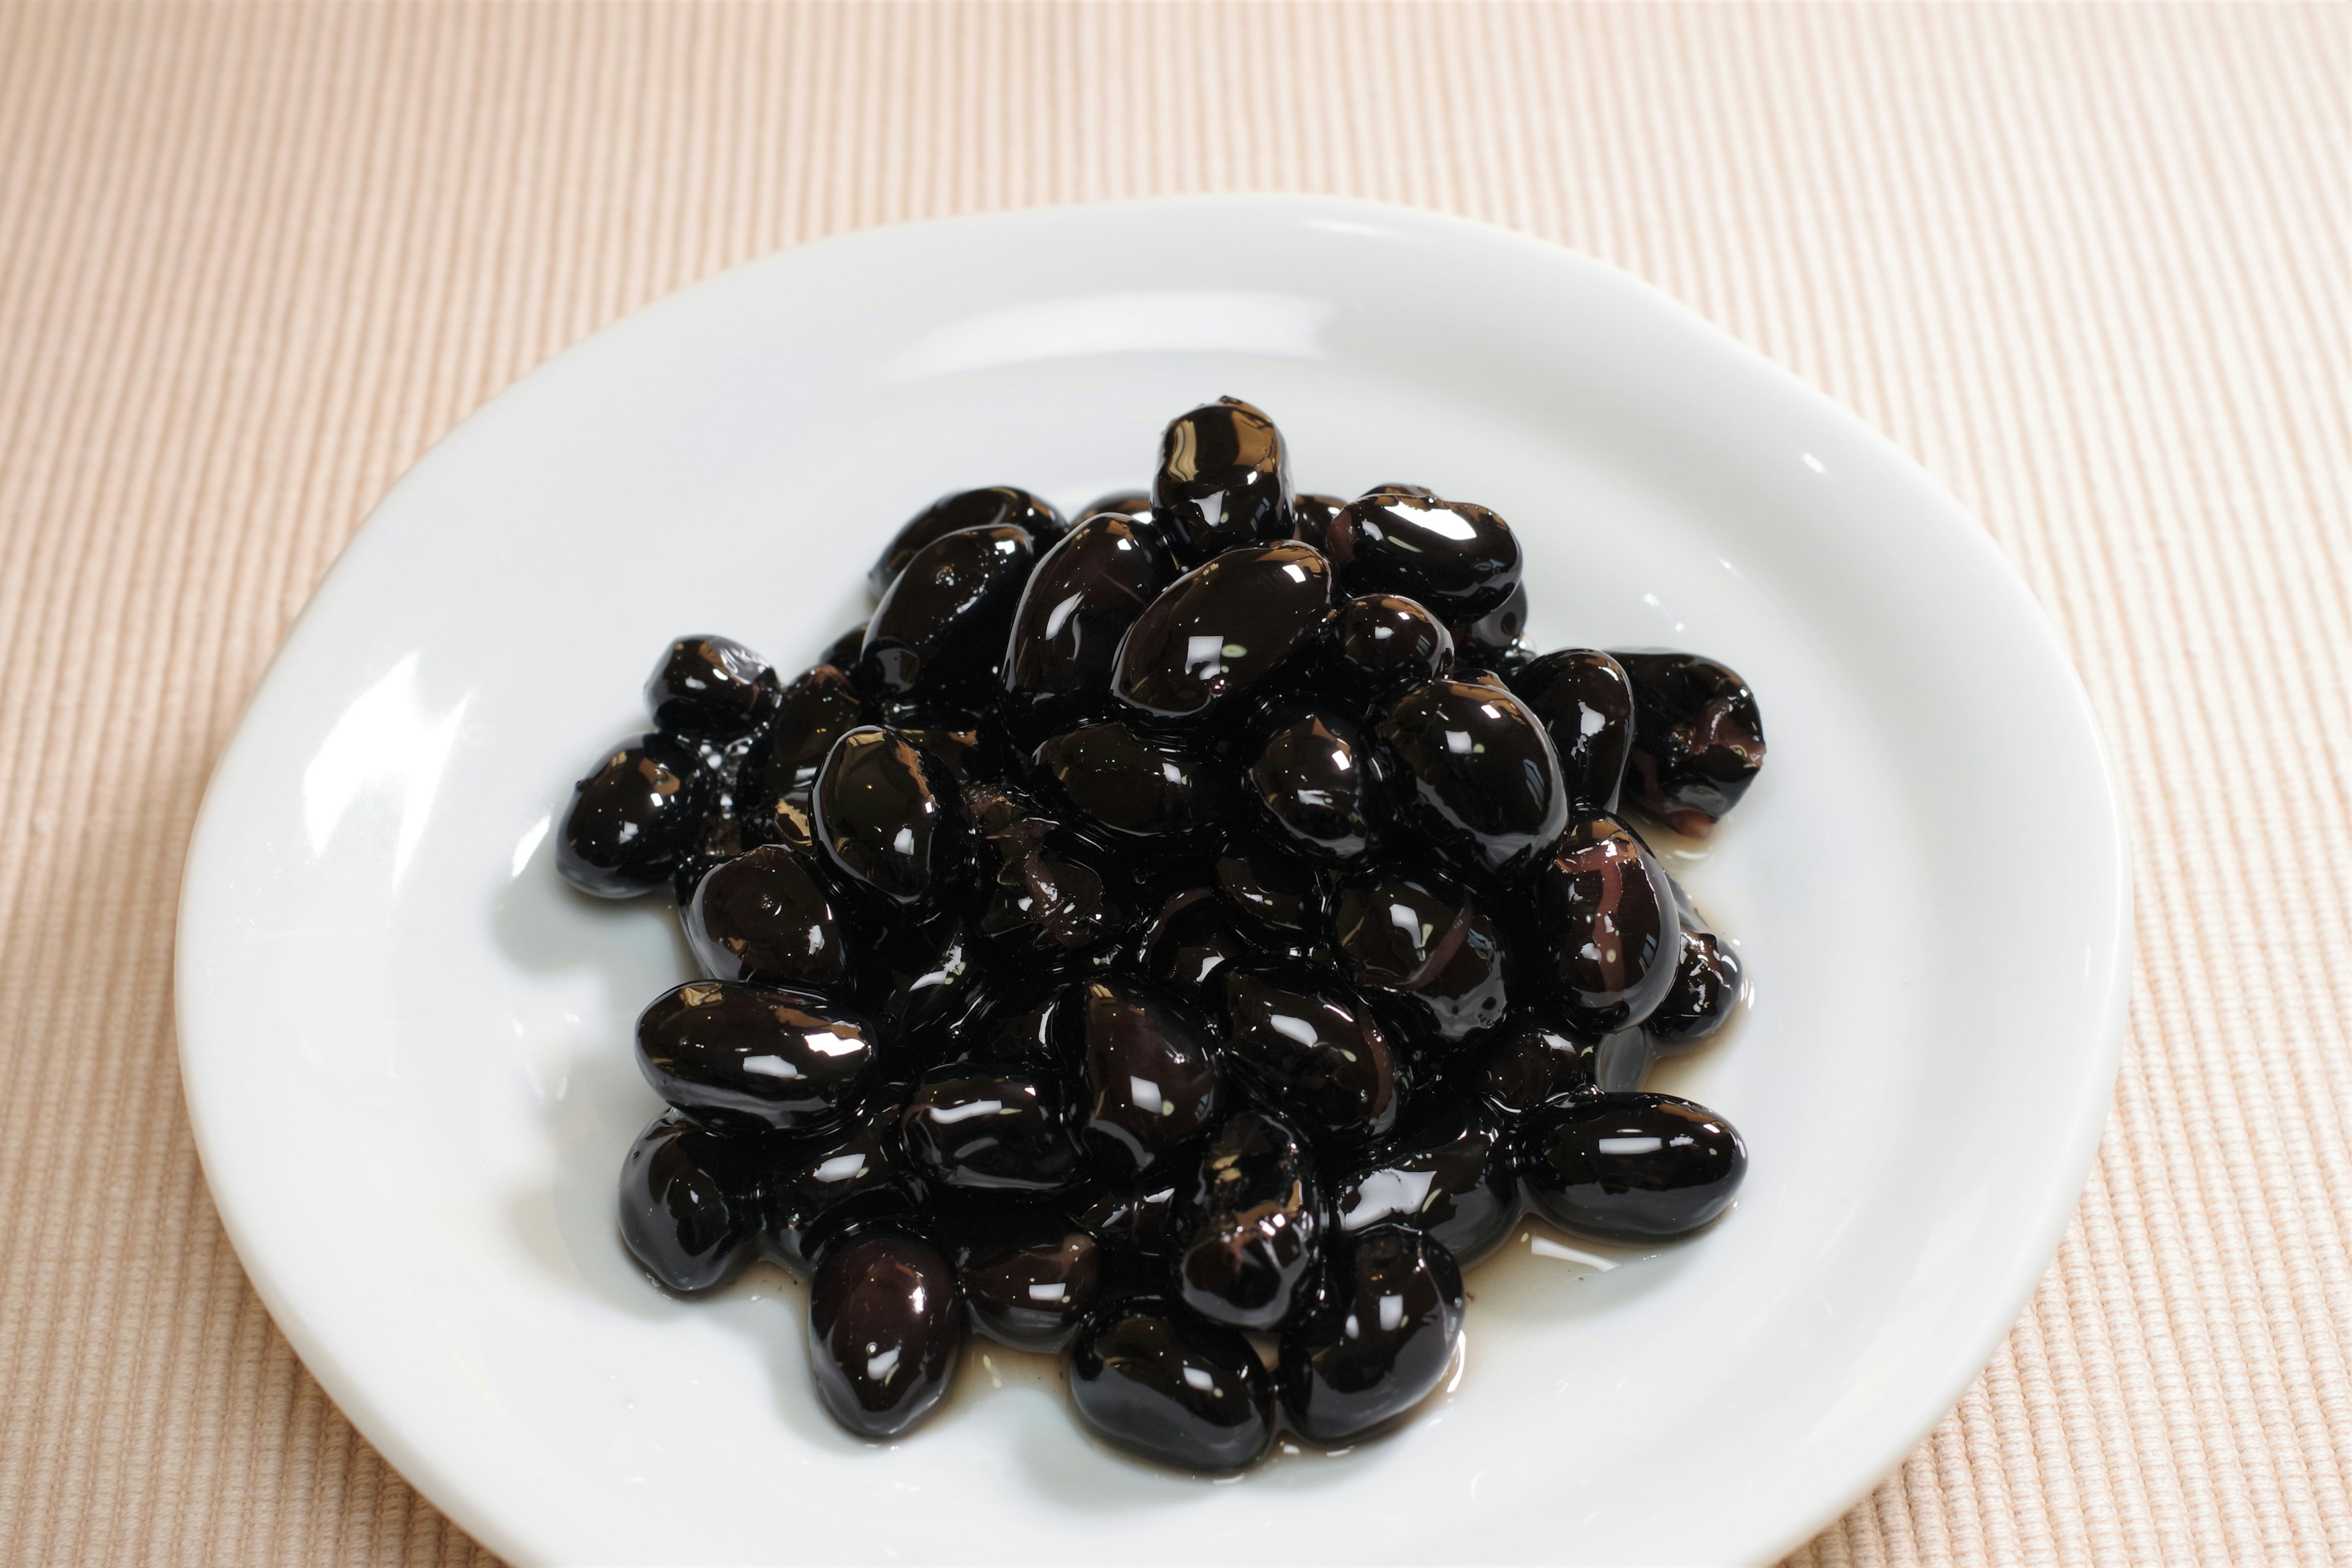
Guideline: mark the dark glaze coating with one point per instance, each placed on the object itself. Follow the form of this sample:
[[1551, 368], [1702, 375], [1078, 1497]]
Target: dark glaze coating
[[1381, 644], [1704, 996], [1478, 776], [942, 628], [1218, 631], [634, 818], [1631, 1167], [1585, 702], [1379, 1341], [1532, 1066], [971, 744], [888, 816], [1126, 503], [1189, 942], [1133, 1223], [995, 506], [1318, 1055], [712, 688], [927, 995], [725, 832], [1310, 517], [1223, 481], [1152, 1081], [818, 708], [884, 1329], [1042, 902], [1029, 1276], [689, 1204], [749, 1058], [1448, 1175], [991, 1126], [1272, 893], [1077, 604], [1425, 939], [1134, 787], [1500, 634], [1460, 559], [1622, 1061], [767, 916], [1609, 933], [821, 1189], [1147, 1378], [1317, 783], [1698, 740], [1251, 1224]]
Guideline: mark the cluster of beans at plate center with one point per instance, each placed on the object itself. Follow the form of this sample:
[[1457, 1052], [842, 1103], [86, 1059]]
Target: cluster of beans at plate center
[[1183, 940]]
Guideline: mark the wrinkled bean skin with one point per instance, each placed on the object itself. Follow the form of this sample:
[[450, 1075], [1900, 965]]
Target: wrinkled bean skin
[[1322, 1058], [1077, 604], [1478, 776], [1698, 740], [1381, 644], [1449, 1176], [711, 688], [634, 818], [1029, 1277], [887, 816], [1425, 940], [1223, 481], [1275, 896], [991, 1126], [1706, 993], [1188, 944], [1310, 517], [1531, 1066], [1317, 782], [942, 626], [884, 1330], [1608, 928], [1251, 1225], [1134, 787], [817, 709], [1380, 1341], [1585, 702], [997, 505], [1631, 1167], [1147, 1378], [1154, 1082], [689, 1204], [1458, 558], [854, 1177], [1220, 630], [767, 916], [1041, 901], [749, 1059]]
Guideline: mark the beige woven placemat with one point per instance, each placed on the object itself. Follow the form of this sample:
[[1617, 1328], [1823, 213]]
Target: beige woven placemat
[[2091, 266]]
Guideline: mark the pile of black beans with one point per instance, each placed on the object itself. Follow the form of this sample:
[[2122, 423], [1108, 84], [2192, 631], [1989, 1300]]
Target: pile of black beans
[[1208, 920]]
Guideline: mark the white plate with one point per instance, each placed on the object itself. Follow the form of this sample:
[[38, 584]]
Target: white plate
[[405, 1043]]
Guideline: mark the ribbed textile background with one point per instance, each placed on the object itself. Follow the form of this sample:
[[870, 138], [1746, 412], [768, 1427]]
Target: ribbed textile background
[[2091, 266]]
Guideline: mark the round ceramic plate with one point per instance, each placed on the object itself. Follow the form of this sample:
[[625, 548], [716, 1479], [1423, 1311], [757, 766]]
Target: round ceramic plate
[[406, 1042]]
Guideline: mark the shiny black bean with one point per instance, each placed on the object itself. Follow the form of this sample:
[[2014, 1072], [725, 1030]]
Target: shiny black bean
[[1585, 702], [1152, 1081], [1043, 901], [747, 1057], [928, 994], [1478, 776], [884, 1329], [1698, 740], [821, 1190], [1448, 1175], [1077, 604], [1310, 517], [1318, 783], [767, 916], [690, 1204], [1611, 936], [711, 688], [972, 744], [1460, 559], [1706, 993], [1126, 503], [991, 1127], [1220, 630], [1379, 1341], [1424, 938], [1029, 1276], [1135, 786], [818, 708], [997, 505], [1498, 635], [1187, 945], [1251, 1225], [1532, 1066], [725, 832], [889, 818], [1318, 1055], [1381, 644], [633, 819], [1274, 894], [1149, 1379], [1631, 1167], [942, 628], [1133, 1222], [1224, 481]]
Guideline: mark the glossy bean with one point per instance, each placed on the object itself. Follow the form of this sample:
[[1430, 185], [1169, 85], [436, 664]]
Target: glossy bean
[[995, 506], [1318, 1055], [942, 628], [1380, 1341], [1585, 702], [767, 916], [711, 688], [1459, 559], [1064, 646], [689, 1203], [634, 818], [747, 1058], [1152, 1380], [1424, 938], [1631, 1167], [1449, 1176], [1477, 776], [1698, 740], [1610, 932], [1251, 1225], [1218, 632], [1153, 1083], [1317, 780], [991, 1126], [884, 1331], [1224, 481], [887, 815]]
